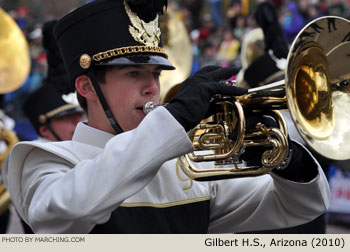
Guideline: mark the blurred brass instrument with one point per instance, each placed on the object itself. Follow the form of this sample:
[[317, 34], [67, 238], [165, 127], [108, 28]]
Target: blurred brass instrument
[[15, 58], [177, 44], [10, 139], [14, 69], [316, 91], [252, 47]]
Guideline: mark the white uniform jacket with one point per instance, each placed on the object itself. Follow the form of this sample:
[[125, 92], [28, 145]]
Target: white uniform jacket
[[72, 186]]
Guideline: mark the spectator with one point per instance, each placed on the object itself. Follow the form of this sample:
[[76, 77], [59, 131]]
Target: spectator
[[216, 11], [336, 8], [240, 28], [228, 49], [292, 21]]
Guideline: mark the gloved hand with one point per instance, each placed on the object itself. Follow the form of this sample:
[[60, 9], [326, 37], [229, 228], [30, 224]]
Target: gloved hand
[[190, 105], [252, 155], [301, 167]]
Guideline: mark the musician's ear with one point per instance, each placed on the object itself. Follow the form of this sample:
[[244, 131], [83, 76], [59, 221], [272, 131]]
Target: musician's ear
[[85, 88]]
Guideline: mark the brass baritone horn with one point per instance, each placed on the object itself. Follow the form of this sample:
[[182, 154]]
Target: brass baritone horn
[[316, 91], [214, 136]]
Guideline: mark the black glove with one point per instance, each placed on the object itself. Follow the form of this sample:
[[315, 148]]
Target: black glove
[[190, 105], [252, 155], [301, 167]]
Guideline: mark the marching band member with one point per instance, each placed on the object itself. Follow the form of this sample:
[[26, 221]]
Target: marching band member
[[53, 113], [53, 118], [118, 174]]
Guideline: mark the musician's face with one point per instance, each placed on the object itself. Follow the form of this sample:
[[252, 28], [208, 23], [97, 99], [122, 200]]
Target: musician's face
[[63, 126], [127, 89]]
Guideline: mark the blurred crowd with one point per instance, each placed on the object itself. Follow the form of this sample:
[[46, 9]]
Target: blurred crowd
[[216, 29]]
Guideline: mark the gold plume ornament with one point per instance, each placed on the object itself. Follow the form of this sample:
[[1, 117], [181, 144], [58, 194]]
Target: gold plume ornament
[[144, 33]]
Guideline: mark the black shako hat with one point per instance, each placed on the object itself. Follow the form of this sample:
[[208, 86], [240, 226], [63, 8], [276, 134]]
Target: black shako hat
[[266, 17], [118, 32], [265, 68], [46, 103], [261, 69], [56, 75]]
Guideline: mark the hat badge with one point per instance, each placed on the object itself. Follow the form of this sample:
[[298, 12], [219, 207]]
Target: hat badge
[[145, 33], [70, 98]]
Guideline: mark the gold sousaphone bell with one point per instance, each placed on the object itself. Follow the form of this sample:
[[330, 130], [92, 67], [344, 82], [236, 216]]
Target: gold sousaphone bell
[[316, 91], [177, 44], [14, 58], [14, 69]]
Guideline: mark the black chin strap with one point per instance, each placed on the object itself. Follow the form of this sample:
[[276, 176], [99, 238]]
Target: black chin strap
[[103, 102], [47, 124]]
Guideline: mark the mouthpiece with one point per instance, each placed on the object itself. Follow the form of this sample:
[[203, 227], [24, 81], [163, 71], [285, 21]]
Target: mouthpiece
[[149, 106]]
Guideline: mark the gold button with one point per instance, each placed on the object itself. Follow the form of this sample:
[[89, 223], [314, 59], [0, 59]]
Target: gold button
[[42, 119], [85, 61]]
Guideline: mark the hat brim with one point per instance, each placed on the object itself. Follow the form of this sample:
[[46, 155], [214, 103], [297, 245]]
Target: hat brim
[[68, 112], [141, 60]]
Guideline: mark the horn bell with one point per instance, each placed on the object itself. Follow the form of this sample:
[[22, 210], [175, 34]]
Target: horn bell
[[317, 82]]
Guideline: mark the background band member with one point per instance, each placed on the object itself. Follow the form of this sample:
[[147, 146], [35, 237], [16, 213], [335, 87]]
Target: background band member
[[50, 109], [52, 117]]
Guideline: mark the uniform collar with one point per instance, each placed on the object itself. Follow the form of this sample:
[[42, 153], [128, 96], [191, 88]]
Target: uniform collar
[[89, 135]]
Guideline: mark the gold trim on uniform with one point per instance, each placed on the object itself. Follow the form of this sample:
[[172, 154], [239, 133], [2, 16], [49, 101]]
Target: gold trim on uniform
[[163, 205], [52, 113]]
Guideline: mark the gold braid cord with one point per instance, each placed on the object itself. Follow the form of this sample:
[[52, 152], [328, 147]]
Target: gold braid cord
[[128, 50], [183, 179]]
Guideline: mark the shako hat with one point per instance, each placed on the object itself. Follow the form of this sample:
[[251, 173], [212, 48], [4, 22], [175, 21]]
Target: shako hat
[[56, 75], [261, 71], [268, 67], [52, 99], [118, 32], [46, 103]]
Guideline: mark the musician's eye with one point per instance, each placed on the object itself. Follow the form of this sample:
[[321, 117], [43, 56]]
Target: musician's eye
[[156, 74], [133, 74]]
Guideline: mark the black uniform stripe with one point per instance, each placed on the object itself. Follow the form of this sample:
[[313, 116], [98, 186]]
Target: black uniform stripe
[[186, 218]]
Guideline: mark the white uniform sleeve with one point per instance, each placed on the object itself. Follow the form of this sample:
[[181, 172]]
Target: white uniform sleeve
[[61, 198]]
